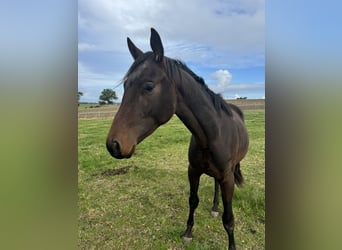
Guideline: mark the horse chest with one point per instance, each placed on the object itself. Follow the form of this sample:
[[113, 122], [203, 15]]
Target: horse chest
[[208, 161]]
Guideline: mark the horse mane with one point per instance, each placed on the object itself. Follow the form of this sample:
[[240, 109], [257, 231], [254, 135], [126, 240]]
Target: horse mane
[[216, 99]]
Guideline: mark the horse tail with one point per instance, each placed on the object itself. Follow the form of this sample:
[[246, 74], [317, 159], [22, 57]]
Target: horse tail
[[238, 175]]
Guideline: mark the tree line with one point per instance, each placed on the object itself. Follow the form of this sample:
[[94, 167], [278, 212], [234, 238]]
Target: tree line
[[107, 96]]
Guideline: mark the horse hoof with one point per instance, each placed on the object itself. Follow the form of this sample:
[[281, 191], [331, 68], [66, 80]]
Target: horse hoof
[[186, 240], [214, 214]]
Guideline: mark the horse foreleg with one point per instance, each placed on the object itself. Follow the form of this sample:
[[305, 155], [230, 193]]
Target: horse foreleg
[[194, 178], [214, 210], [227, 189]]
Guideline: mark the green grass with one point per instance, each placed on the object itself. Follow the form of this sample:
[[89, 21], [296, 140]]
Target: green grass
[[147, 207]]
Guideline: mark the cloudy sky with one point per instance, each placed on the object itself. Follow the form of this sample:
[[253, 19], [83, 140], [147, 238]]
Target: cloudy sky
[[220, 40]]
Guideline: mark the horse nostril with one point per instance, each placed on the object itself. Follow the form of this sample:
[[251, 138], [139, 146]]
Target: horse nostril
[[113, 148]]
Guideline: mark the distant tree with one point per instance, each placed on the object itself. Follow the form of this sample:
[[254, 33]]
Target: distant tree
[[107, 95], [79, 94]]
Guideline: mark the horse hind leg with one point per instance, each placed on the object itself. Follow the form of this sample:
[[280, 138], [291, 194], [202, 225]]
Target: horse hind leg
[[238, 178], [194, 178], [227, 190], [214, 210]]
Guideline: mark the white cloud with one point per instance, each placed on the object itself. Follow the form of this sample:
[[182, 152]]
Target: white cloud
[[223, 79], [236, 27], [86, 46], [207, 34], [91, 83], [250, 90]]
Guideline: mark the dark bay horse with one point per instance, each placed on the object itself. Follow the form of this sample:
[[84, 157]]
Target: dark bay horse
[[155, 88]]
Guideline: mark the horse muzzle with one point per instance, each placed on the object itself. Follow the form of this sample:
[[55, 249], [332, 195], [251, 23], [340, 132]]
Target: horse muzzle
[[117, 151]]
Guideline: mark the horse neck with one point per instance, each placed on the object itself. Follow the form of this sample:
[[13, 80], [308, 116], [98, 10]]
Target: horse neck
[[196, 110]]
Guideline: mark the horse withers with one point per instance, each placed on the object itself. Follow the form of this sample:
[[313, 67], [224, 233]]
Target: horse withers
[[157, 87]]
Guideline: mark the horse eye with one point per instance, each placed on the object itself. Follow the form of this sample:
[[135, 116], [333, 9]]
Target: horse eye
[[149, 87]]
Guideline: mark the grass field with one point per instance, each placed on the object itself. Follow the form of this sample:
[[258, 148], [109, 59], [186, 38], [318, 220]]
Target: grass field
[[142, 202]]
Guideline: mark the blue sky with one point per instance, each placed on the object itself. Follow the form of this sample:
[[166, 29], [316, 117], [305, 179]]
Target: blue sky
[[221, 41]]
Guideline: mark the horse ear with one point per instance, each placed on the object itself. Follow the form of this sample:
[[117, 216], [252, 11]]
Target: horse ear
[[156, 45], [135, 52]]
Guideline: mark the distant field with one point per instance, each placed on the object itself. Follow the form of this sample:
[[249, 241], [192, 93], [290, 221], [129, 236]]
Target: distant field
[[97, 111], [249, 104], [142, 202]]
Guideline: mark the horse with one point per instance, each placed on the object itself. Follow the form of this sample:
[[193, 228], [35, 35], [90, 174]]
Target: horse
[[155, 88]]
